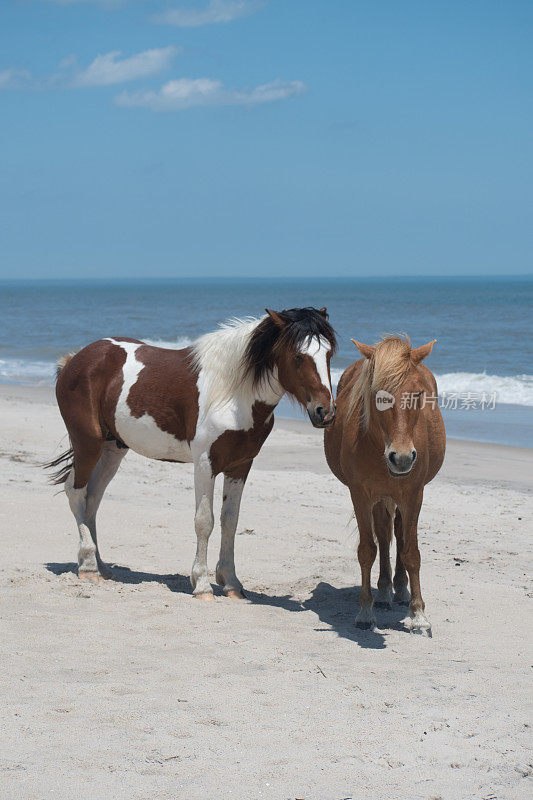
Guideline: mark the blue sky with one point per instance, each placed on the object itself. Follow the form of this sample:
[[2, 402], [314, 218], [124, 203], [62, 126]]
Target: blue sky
[[312, 138]]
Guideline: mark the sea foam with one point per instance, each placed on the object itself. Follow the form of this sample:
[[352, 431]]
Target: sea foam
[[512, 389], [509, 389]]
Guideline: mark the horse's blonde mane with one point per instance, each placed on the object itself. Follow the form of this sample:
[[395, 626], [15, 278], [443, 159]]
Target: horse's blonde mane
[[386, 370]]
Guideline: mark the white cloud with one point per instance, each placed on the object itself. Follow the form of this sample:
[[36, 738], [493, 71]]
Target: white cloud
[[215, 11], [15, 78], [185, 93], [109, 68]]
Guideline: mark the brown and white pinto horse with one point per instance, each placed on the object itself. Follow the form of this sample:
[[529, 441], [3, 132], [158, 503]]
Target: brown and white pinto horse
[[211, 404], [386, 443]]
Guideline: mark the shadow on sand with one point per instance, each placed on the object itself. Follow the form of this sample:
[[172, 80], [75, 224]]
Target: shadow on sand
[[334, 607]]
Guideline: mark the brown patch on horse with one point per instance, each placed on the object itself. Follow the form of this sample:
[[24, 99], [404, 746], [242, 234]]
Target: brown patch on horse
[[166, 389], [234, 451], [86, 388]]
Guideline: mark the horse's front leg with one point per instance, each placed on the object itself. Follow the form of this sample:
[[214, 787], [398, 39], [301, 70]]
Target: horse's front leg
[[366, 553], [383, 533], [411, 561], [225, 573], [204, 482]]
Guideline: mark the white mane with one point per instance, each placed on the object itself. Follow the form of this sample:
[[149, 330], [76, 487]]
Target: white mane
[[219, 356]]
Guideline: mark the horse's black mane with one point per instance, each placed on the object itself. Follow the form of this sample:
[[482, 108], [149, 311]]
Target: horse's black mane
[[268, 339]]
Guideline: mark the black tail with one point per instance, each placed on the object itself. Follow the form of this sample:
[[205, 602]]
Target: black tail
[[65, 462]]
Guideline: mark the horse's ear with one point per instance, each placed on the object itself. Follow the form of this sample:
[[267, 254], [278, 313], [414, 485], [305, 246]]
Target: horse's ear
[[324, 312], [419, 353], [276, 318], [366, 350]]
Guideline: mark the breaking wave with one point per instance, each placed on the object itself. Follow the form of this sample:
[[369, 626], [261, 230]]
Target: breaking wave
[[515, 390]]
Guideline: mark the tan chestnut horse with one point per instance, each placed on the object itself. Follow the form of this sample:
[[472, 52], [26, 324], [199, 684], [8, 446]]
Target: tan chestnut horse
[[386, 443], [211, 403]]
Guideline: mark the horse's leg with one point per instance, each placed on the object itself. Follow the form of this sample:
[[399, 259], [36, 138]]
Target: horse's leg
[[411, 561], [225, 573], [204, 484], [366, 553], [401, 592], [87, 451], [383, 532], [101, 476]]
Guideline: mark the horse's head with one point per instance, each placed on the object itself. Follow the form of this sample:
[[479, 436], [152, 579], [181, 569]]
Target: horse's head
[[298, 343], [393, 389]]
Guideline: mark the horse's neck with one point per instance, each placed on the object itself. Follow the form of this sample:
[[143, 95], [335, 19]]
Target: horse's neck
[[269, 391], [218, 358], [243, 397]]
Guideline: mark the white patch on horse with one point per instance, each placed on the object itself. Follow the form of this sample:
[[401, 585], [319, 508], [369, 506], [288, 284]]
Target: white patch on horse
[[219, 355], [420, 624], [142, 434], [318, 348]]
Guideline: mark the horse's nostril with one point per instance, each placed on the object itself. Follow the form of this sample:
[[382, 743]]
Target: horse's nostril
[[319, 411], [414, 454], [392, 457]]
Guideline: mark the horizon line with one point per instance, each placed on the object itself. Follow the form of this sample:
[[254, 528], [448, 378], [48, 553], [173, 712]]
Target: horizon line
[[266, 278]]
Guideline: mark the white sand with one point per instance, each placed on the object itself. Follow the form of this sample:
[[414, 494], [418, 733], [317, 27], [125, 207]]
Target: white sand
[[133, 689]]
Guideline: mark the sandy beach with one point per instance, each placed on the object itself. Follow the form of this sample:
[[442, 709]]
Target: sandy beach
[[133, 689]]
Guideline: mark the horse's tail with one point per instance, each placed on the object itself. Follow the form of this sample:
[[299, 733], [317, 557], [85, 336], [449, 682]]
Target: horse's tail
[[65, 462], [62, 363]]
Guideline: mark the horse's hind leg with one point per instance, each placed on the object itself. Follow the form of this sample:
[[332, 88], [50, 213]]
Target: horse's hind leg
[[103, 473], [401, 592], [87, 451], [383, 531]]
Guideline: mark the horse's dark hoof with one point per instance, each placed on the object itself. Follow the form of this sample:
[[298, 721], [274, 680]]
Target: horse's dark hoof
[[401, 597], [365, 626], [382, 604], [235, 594]]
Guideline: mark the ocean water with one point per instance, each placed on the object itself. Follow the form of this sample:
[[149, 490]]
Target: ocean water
[[483, 359]]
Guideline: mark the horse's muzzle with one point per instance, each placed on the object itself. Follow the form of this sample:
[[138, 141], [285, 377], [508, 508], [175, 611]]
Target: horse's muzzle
[[322, 417], [400, 464]]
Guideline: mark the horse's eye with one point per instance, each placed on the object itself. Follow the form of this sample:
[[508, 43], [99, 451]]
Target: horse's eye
[[299, 359]]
